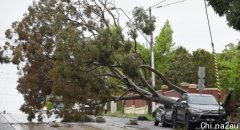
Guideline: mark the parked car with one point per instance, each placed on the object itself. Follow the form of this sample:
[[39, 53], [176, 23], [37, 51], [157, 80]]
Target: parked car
[[193, 109], [163, 115]]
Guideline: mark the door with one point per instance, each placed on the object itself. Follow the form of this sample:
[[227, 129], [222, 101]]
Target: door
[[182, 104]]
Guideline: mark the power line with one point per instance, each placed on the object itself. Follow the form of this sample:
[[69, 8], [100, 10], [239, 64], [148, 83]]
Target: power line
[[214, 56], [173, 3], [156, 7], [157, 3]]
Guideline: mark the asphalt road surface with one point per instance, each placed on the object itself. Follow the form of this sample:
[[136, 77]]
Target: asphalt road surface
[[112, 123], [115, 123], [4, 125]]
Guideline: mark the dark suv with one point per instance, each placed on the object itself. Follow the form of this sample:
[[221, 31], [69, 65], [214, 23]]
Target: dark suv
[[193, 109]]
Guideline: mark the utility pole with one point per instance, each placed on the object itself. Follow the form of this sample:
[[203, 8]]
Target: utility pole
[[151, 105], [152, 51]]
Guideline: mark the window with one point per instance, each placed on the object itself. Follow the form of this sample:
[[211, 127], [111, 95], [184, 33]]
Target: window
[[203, 100]]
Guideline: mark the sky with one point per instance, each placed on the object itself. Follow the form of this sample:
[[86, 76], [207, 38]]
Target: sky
[[10, 99], [187, 19]]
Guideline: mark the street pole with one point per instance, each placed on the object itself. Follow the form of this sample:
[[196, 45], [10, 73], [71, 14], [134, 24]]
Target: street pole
[[152, 51], [151, 105]]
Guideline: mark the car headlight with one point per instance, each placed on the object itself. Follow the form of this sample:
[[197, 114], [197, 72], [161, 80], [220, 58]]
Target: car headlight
[[222, 111], [195, 110]]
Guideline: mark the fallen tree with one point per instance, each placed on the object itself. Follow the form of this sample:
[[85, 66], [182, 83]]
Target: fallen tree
[[77, 50]]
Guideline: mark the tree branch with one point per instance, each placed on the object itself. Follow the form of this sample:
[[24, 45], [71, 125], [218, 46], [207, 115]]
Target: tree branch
[[127, 91], [129, 82], [150, 88], [165, 81], [163, 100], [128, 97]]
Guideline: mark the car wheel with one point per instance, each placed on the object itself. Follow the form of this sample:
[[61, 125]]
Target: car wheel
[[188, 126], [156, 122], [162, 122], [174, 124]]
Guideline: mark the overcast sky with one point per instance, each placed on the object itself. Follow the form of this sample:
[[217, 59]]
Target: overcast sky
[[188, 21]]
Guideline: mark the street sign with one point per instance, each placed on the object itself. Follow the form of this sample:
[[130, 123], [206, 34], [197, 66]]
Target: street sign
[[201, 72], [201, 85]]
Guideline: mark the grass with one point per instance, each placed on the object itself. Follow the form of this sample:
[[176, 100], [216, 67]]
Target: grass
[[133, 116], [235, 129]]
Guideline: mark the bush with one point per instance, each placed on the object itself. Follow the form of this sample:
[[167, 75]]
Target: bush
[[238, 112], [50, 106]]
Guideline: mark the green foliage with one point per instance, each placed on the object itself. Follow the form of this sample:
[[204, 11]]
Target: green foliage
[[229, 8], [61, 52], [238, 112], [143, 21], [120, 106], [3, 59], [180, 66], [65, 49], [164, 45], [202, 58], [108, 106], [183, 66], [50, 105], [130, 65], [164, 41], [31, 115], [229, 64], [57, 57]]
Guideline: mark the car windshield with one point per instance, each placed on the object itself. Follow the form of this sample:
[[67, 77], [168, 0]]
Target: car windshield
[[203, 100]]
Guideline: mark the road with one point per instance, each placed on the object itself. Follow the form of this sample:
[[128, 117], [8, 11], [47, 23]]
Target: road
[[115, 123], [14, 122], [4, 125]]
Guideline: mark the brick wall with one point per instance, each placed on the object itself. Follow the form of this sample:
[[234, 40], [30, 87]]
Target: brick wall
[[191, 88]]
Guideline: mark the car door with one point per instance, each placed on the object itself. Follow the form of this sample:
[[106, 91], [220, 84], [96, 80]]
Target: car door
[[182, 104], [159, 113]]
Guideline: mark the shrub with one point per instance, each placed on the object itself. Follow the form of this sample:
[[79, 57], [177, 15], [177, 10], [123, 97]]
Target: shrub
[[238, 112]]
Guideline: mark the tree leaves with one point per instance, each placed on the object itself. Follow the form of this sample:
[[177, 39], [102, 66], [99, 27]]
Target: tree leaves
[[143, 21], [130, 66], [229, 65], [229, 8]]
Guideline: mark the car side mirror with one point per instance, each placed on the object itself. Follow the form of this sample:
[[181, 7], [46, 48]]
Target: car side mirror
[[221, 104], [161, 107], [183, 102]]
